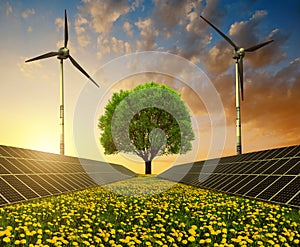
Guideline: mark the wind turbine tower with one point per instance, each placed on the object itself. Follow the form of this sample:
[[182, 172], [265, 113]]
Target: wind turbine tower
[[238, 55], [62, 54]]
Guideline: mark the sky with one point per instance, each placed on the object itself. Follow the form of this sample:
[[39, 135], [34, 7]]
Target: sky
[[102, 33]]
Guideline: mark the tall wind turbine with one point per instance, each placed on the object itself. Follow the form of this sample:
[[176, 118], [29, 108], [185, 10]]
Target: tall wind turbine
[[238, 55], [63, 53]]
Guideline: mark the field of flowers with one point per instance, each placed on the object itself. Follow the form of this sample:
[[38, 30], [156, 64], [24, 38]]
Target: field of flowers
[[127, 213]]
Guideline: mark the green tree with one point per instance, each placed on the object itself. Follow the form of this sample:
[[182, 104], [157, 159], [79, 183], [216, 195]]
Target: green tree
[[149, 121]]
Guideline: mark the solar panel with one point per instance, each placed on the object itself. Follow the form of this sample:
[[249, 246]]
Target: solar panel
[[288, 191], [37, 188], [9, 193], [27, 174], [269, 175], [295, 200]]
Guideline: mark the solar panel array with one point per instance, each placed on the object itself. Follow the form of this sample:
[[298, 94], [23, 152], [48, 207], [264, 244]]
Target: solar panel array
[[28, 174], [270, 175]]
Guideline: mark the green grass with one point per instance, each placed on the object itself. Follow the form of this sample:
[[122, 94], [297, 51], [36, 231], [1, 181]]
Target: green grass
[[147, 211]]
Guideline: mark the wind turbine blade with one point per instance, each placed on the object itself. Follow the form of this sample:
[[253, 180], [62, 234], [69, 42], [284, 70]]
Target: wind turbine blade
[[254, 48], [221, 33], [82, 70], [66, 29], [49, 54], [241, 77]]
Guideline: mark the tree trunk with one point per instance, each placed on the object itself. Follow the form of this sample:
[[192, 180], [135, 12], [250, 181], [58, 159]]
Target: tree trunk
[[148, 167]]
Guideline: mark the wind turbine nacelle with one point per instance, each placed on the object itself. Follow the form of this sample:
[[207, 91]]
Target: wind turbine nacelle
[[239, 53], [63, 53]]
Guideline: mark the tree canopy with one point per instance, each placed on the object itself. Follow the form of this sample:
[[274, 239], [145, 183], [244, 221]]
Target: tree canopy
[[148, 121]]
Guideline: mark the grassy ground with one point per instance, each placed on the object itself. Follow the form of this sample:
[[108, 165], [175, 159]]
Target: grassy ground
[[147, 211]]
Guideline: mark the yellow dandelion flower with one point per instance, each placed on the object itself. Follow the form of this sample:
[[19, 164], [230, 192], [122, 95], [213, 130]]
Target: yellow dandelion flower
[[191, 239], [192, 232], [17, 242], [208, 240], [6, 240]]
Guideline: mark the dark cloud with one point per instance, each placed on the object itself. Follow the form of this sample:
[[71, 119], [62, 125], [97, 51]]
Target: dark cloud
[[218, 58], [197, 35], [170, 13], [247, 34], [271, 54]]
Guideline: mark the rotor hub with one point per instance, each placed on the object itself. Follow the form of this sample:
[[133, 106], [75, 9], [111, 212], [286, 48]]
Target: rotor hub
[[239, 53], [63, 53]]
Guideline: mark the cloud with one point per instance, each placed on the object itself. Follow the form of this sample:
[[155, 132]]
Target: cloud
[[214, 11], [148, 35], [136, 4], [104, 13], [127, 27], [271, 54], [107, 45], [218, 58], [60, 23], [80, 28], [245, 32], [27, 13], [196, 32], [248, 33], [9, 9], [169, 14]]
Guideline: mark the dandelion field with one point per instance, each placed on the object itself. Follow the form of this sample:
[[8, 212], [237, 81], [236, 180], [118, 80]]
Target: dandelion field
[[147, 211]]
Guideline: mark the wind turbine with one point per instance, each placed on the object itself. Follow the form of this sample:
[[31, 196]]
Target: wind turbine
[[238, 55], [62, 54]]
